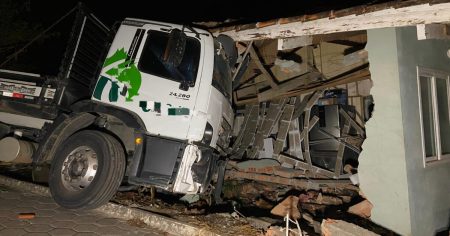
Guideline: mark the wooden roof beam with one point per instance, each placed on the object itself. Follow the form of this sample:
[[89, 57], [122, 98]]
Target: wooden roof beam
[[390, 17]]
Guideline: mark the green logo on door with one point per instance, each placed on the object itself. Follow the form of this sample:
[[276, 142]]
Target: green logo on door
[[119, 70]]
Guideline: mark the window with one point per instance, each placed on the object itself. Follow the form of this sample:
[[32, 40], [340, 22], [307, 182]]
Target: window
[[222, 73], [434, 87], [151, 59]]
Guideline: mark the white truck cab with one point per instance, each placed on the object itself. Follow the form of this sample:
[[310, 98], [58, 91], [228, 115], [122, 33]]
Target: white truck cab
[[134, 77], [151, 107], [185, 105]]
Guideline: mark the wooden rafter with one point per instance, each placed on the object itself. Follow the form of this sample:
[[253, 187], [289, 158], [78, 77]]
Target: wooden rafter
[[397, 14], [269, 78]]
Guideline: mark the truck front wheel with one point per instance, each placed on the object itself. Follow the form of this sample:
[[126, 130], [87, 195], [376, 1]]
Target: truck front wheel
[[86, 170]]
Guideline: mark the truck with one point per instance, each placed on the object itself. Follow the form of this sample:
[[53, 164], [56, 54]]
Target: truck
[[143, 104]]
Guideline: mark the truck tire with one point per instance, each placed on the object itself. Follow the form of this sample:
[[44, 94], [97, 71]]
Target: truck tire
[[87, 170]]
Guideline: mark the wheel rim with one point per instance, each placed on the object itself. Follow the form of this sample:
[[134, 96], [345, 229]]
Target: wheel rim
[[79, 168]]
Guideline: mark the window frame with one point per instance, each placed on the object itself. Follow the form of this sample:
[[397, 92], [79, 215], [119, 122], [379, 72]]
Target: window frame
[[433, 75]]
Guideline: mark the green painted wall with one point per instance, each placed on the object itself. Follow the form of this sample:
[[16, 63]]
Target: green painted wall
[[407, 198], [382, 164], [429, 188]]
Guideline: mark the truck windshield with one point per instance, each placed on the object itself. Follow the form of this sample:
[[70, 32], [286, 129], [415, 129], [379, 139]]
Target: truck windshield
[[151, 59], [222, 72]]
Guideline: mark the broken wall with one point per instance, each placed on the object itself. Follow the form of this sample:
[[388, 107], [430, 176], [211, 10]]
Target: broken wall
[[429, 188], [407, 198], [382, 164]]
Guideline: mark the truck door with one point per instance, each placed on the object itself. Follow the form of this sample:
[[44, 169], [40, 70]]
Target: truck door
[[146, 85]]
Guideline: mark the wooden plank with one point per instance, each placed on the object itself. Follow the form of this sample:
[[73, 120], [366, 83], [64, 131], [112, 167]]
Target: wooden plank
[[432, 31], [353, 123], [289, 85], [305, 40], [300, 106], [358, 103], [303, 183], [261, 67], [364, 87], [266, 125], [331, 60], [354, 36], [391, 17], [249, 91], [238, 140], [313, 99], [294, 42], [247, 50], [341, 149], [313, 170], [295, 147], [284, 70], [307, 155], [311, 124], [359, 75], [353, 77], [247, 132], [285, 121]]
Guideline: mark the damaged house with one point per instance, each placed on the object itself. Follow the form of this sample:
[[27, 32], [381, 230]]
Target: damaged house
[[342, 114], [345, 102]]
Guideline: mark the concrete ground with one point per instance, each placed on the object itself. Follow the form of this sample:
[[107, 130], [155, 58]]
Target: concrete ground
[[51, 219]]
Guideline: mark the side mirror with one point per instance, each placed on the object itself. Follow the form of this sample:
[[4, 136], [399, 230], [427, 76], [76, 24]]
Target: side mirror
[[184, 85], [174, 52]]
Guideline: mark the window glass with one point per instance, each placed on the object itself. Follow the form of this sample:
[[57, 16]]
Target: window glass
[[151, 61], [427, 116], [222, 73], [444, 123]]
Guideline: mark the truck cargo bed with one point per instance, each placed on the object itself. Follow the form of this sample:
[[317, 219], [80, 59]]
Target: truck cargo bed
[[45, 96]]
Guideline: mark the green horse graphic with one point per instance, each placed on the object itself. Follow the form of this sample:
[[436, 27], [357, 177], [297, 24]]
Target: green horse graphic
[[123, 71]]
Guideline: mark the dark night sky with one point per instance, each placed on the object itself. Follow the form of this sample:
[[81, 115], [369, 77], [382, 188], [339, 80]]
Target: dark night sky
[[189, 11], [43, 13]]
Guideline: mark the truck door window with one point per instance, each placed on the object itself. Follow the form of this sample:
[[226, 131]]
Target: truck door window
[[222, 73], [151, 60]]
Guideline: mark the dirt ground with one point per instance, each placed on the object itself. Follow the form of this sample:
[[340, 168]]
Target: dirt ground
[[221, 222]]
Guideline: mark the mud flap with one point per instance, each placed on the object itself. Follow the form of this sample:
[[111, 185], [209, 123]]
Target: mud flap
[[221, 165]]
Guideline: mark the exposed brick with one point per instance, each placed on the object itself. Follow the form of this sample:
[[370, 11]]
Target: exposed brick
[[288, 205], [341, 228], [363, 209]]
